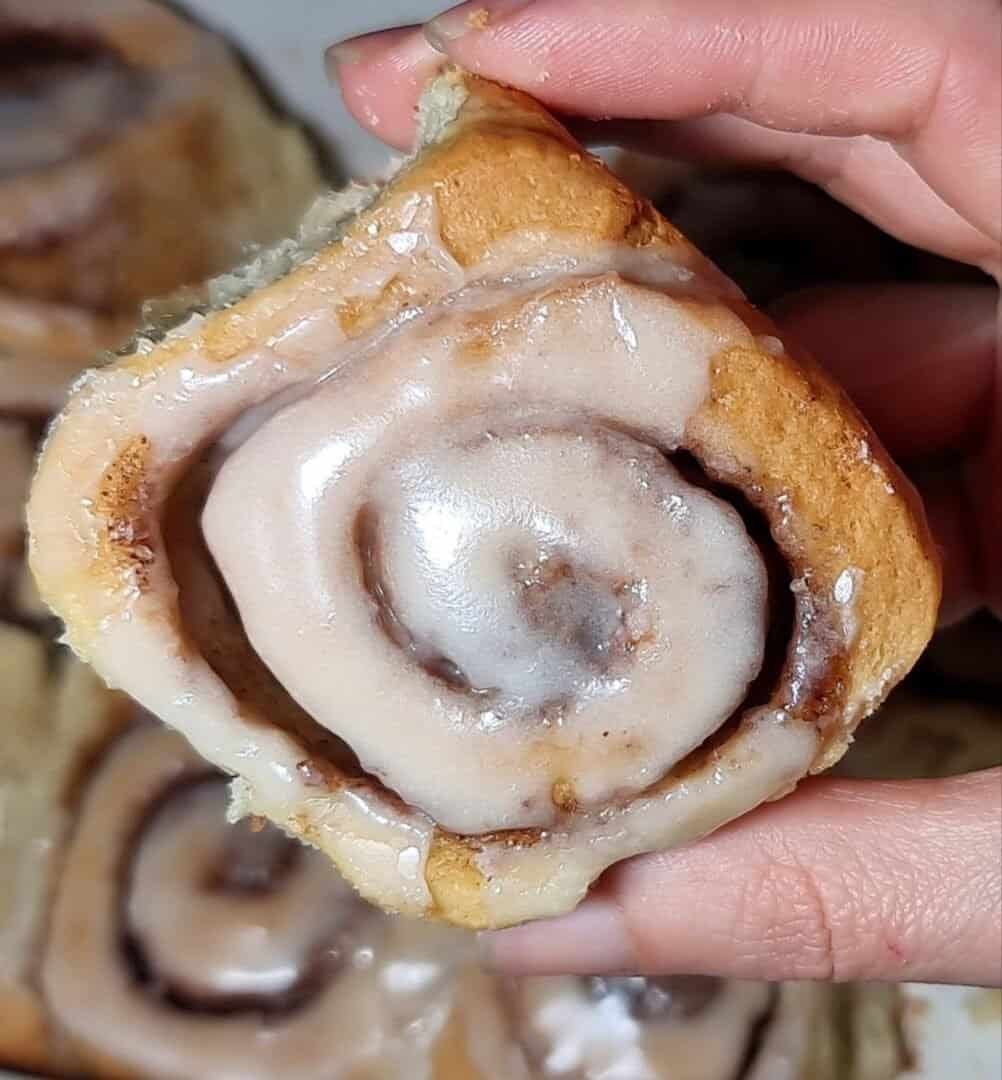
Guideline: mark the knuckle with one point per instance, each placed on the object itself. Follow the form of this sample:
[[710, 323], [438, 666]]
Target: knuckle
[[784, 922]]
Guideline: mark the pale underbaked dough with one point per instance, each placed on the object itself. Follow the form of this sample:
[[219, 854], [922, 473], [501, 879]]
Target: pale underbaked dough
[[184, 166], [496, 169]]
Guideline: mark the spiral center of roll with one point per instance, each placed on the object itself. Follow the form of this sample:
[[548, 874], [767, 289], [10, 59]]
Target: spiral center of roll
[[501, 567], [223, 917], [59, 97]]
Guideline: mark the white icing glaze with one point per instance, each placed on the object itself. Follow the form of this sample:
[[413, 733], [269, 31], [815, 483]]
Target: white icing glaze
[[769, 754], [467, 520]]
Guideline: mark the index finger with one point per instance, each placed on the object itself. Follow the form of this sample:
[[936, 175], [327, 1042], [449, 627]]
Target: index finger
[[920, 76]]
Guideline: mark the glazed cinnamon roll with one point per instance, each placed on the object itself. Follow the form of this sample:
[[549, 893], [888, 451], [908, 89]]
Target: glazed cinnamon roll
[[143, 935], [679, 1028], [492, 543], [136, 156], [224, 949]]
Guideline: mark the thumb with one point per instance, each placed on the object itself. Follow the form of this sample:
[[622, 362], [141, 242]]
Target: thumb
[[843, 880]]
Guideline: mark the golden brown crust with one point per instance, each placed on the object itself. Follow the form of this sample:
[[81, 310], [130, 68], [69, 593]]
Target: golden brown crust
[[773, 426], [200, 171], [455, 882], [796, 437], [550, 183]]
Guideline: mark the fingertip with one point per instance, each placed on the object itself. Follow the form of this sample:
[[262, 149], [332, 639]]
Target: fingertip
[[381, 76]]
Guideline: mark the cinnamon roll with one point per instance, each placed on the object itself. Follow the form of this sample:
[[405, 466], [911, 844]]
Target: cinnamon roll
[[224, 950], [491, 543], [683, 1028], [143, 935], [136, 156]]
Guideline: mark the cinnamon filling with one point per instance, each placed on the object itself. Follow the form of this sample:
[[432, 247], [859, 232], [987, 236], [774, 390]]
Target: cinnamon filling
[[602, 620], [60, 97]]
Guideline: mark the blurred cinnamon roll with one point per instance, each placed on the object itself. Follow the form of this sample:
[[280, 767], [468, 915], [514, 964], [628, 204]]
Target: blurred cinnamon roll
[[143, 935], [678, 1028], [224, 949], [492, 543], [136, 156]]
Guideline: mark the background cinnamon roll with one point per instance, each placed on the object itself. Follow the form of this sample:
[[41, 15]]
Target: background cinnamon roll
[[136, 156], [378, 538], [224, 949], [679, 1028]]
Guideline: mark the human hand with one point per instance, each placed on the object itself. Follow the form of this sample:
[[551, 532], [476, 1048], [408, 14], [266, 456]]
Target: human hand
[[896, 111]]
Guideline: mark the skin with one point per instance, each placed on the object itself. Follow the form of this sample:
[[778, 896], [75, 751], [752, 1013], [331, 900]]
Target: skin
[[893, 107]]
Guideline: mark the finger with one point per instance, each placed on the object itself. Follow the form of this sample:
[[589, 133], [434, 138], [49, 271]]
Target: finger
[[863, 172], [920, 75], [843, 880], [921, 362], [381, 77]]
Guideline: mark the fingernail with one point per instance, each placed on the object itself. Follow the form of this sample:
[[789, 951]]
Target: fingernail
[[341, 55], [472, 16], [405, 43]]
